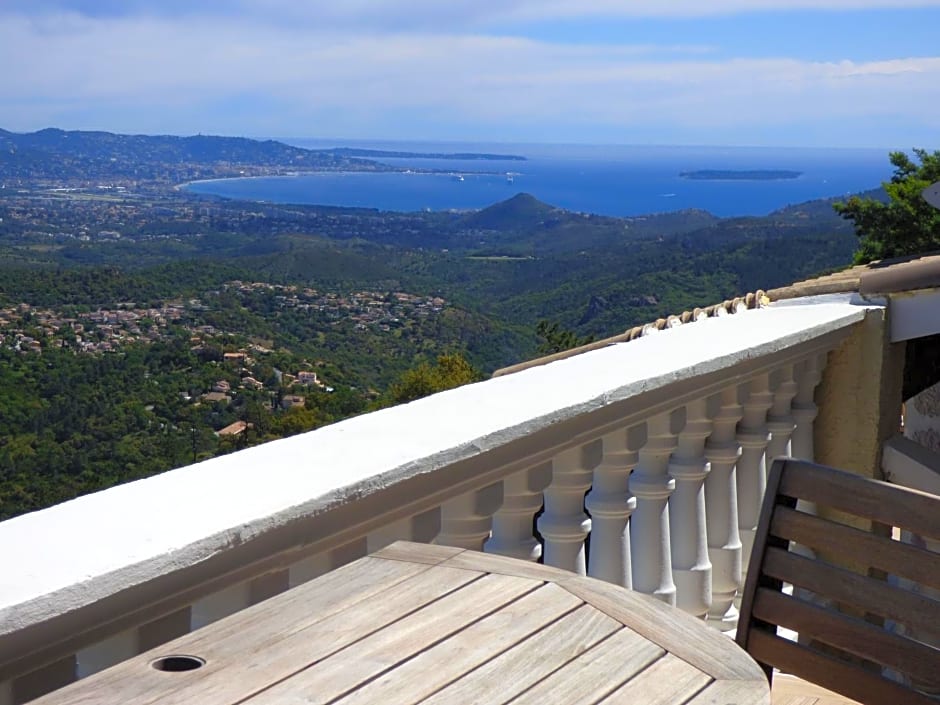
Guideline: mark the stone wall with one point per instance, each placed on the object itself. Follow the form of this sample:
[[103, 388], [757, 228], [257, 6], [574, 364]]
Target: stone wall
[[922, 418]]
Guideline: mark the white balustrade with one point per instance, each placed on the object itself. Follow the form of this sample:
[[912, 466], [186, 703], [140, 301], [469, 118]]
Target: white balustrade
[[31, 685], [513, 522], [751, 475], [780, 420], [564, 525], [651, 485], [721, 508], [220, 604], [466, 520], [691, 567], [610, 506], [314, 566], [808, 376], [422, 528], [106, 653]]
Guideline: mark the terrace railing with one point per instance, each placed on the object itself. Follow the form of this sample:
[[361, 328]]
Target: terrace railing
[[642, 463]]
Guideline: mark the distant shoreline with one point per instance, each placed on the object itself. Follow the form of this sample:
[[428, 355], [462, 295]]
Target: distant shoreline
[[394, 154], [740, 175], [404, 171]]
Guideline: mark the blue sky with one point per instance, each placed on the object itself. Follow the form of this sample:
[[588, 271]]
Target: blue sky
[[845, 73]]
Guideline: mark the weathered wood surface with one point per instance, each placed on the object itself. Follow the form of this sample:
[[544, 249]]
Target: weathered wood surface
[[429, 624]]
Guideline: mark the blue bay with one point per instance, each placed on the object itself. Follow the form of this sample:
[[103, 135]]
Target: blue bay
[[608, 180]]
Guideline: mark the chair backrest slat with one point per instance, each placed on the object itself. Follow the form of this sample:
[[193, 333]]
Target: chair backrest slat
[[850, 634], [856, 546], [879, 501], [832, 673], [842, 604], [867, 594]]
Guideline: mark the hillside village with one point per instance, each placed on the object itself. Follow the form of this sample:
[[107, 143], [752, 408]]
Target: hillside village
[[109, 329], [26, 328]]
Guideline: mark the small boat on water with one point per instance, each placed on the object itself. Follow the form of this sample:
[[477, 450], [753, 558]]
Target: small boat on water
[[509, 178], [458, 177]]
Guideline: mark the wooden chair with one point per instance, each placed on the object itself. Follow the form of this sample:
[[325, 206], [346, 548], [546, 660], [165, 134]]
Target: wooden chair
[[846, 642]]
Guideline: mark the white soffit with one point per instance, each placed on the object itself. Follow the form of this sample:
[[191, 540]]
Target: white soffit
[[915, 314]]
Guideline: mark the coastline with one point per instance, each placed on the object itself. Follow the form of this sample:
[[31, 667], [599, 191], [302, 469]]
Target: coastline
[[346, 172]]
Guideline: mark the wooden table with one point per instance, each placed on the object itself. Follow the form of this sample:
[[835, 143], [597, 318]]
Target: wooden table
[[418, 623]]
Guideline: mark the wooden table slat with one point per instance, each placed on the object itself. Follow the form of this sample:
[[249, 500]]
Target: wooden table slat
[[438, 625], [731, 693], [508, 646], [494, 563], [417, 552], [529, 662], [364, 660], [669, 680], [595, 673], [259, 662], [674, 630]]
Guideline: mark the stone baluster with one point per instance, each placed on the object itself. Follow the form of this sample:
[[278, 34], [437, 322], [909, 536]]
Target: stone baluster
[[421, 528], [164, 629], [131, 642], [691, 567], [220, 604], [721, 509], [610, 506], [753, 437], [780, 420], [322, 563], [564, 525], [513, 533], [808, 375], [106, 653], [45, 679], [651, 485], [804, 410], [466, 520]]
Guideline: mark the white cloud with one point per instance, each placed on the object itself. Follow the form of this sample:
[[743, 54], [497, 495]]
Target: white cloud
[[225, 75]]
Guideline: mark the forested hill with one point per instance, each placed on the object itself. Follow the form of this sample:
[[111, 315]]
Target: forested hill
[[141, 149]]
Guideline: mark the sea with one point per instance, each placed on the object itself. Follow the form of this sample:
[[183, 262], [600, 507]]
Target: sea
[[615, 180]]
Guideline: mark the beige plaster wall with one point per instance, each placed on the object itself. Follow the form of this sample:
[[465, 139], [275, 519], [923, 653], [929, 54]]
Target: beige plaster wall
[[859, 398]]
